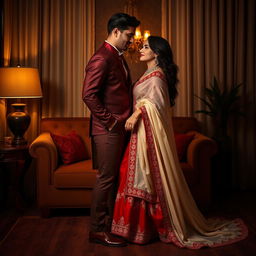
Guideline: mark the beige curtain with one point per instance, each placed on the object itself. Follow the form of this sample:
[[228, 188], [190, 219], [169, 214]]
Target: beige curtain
[[67, 44], [58, 38], [217, 38]]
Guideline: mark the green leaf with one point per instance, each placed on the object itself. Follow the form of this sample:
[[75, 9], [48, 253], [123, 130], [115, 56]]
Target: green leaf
[[221, 104], [208, 104]]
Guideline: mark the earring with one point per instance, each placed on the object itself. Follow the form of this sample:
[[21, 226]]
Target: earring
[[156, 61]]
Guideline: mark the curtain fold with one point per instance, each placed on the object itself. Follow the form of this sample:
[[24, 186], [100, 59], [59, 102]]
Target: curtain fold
[[57, 37], [217, 38], [67, 44]]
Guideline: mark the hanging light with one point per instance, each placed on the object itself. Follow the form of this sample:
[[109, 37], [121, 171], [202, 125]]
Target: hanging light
[[133, 49]]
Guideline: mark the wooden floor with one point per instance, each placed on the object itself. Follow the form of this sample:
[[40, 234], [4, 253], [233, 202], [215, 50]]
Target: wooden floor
[[66, 232]]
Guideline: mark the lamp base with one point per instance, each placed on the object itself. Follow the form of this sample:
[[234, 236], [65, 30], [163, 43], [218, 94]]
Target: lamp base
[[17, 141], [18, 122]]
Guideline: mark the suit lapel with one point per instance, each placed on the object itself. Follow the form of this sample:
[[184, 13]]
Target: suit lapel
[[118, 58], [127, 73], [123, 66]]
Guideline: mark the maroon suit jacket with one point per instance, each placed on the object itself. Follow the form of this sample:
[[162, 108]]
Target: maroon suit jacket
[[107, 89]]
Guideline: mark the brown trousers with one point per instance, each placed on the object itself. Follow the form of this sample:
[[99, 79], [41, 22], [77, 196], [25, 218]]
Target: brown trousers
[[108, 150]]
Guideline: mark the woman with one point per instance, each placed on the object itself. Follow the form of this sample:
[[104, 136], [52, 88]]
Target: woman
[[153, 198]]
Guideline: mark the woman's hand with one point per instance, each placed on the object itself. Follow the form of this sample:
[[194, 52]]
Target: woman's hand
[[132, 120]]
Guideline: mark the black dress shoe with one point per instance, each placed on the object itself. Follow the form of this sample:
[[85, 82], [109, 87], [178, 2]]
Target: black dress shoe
[[106, 238]]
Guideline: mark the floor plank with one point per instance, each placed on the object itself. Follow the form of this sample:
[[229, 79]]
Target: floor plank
[[66, 233]]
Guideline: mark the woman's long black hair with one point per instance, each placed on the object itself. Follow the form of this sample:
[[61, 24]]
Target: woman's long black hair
[[162, 48]]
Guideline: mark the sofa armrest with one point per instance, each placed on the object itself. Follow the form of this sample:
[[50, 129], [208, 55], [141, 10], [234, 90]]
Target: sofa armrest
[[46, 154], [199, 154], [200, 149]]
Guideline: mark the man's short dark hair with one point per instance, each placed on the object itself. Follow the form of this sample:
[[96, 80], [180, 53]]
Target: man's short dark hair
[[122, 21]]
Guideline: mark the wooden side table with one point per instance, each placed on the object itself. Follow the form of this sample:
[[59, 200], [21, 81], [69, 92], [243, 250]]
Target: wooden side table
[[14, 162]]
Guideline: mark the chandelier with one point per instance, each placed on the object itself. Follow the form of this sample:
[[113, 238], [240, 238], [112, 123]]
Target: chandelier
[[133, 50]]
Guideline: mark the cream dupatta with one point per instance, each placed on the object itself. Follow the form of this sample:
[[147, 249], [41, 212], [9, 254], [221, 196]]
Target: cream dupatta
[[154, 173]]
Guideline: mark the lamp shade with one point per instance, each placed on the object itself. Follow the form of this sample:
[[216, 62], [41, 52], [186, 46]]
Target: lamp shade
[[19, 82]]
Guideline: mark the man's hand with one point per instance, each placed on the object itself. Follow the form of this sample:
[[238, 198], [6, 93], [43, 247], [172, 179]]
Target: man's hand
[[112, 125]]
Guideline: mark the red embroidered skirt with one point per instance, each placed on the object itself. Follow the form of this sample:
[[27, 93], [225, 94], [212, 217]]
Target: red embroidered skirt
[[135, 219]]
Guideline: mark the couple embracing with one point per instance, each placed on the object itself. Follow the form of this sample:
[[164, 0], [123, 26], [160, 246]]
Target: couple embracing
[[141, 193]]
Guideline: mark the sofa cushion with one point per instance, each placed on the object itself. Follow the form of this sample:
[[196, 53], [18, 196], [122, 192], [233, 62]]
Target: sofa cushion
[[77, 175], [70, 147], [182, 141], [63, 125]]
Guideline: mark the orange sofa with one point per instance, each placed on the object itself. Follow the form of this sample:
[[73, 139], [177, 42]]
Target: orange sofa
[[70, 186]]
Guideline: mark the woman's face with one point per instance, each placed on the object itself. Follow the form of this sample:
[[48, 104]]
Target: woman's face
[[146, 54]]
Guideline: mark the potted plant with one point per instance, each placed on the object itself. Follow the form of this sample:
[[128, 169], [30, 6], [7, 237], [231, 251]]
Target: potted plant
[[220, 106]]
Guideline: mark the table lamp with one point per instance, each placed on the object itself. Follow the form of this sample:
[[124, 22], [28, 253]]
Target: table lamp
[[19, 82]]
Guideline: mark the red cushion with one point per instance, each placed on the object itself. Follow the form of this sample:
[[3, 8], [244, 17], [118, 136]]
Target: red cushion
[[182, 141], [71, 147]]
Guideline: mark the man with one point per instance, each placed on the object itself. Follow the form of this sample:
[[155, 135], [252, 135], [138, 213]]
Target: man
[[107, 93]]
